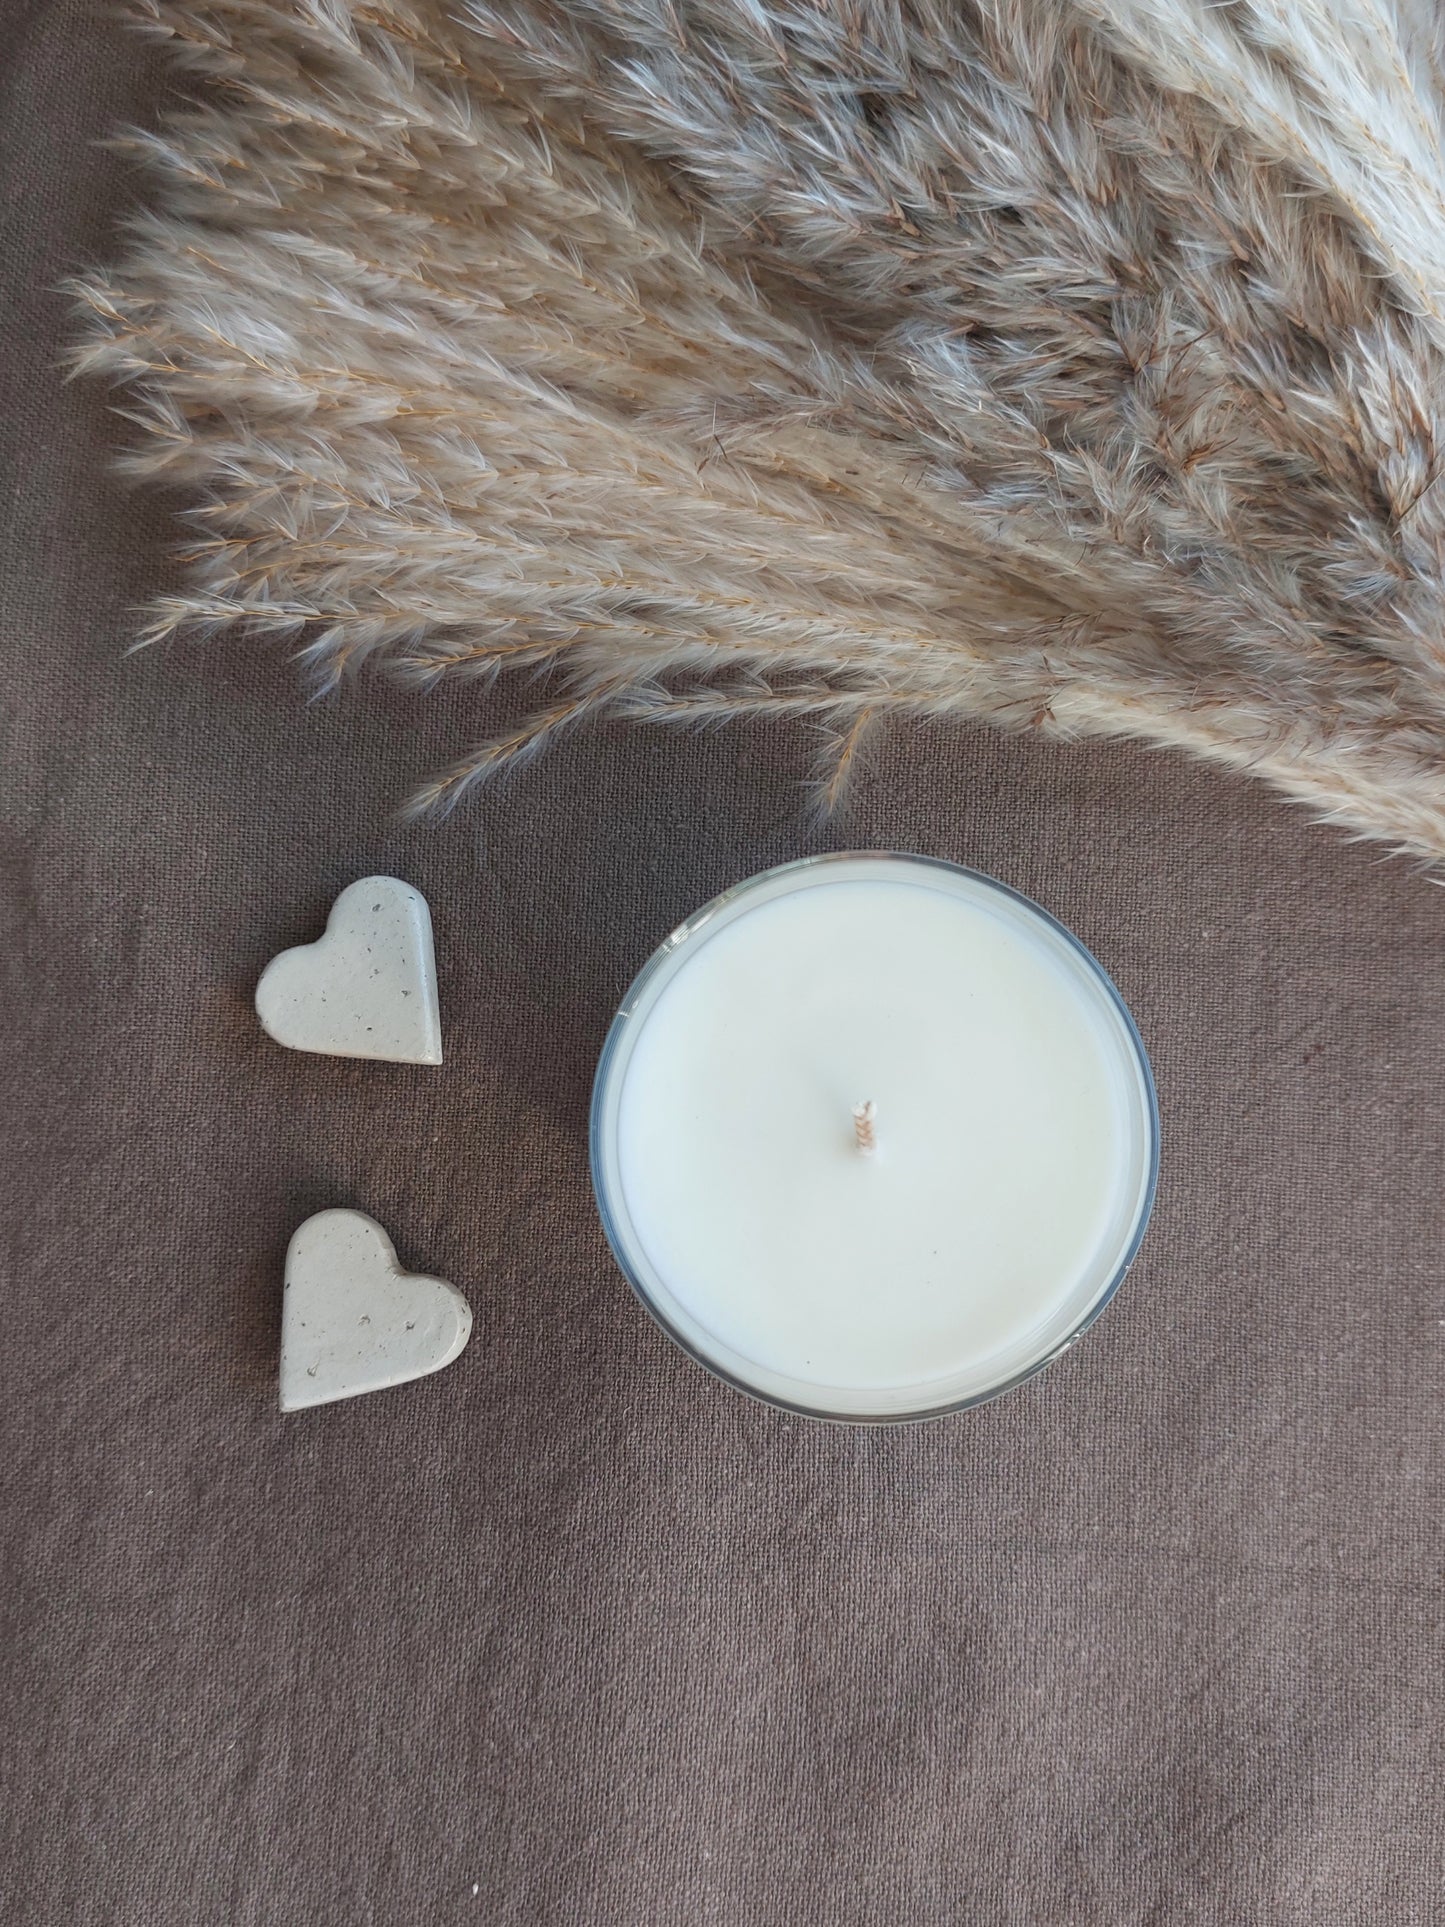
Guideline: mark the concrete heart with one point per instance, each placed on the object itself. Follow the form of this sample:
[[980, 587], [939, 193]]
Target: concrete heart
[[367, 988], [353, 1321]]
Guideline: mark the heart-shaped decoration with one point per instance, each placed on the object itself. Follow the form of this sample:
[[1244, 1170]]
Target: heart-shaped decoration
[[353, 1321], [367, 988]]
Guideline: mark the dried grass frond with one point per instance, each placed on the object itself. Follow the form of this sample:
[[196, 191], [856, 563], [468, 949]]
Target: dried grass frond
[[1074, 367]]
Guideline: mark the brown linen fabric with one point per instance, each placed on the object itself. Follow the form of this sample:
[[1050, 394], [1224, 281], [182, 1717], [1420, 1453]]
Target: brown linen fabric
[[572, 1634]]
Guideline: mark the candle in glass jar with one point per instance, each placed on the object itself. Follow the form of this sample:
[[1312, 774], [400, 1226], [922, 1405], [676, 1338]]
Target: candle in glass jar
[[874, 1137]]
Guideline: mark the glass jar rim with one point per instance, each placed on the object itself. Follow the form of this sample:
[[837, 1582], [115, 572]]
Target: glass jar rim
[[663, 960]]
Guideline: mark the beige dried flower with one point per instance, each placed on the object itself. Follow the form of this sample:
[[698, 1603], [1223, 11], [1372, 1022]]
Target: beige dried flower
[[1069, 365]]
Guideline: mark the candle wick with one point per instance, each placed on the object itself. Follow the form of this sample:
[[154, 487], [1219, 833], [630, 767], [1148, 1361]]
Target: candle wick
[[864, 1127]]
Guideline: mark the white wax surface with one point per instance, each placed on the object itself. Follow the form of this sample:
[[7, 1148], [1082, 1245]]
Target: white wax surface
[[1009, 1150]]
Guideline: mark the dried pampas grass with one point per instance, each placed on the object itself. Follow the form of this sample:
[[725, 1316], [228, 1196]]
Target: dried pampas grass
[[1073, 364]]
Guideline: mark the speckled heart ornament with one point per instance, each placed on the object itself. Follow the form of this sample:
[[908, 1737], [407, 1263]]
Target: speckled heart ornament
[[367, 988], [353, 1321]]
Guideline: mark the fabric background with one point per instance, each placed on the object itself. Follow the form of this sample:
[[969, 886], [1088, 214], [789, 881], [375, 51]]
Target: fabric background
[[571, 1634]]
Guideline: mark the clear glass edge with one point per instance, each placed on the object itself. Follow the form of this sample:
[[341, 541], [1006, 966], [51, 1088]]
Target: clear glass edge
[[662, 956]]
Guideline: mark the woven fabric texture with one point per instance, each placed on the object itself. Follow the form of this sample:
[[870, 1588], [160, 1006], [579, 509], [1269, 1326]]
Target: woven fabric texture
[[570, 1634]]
